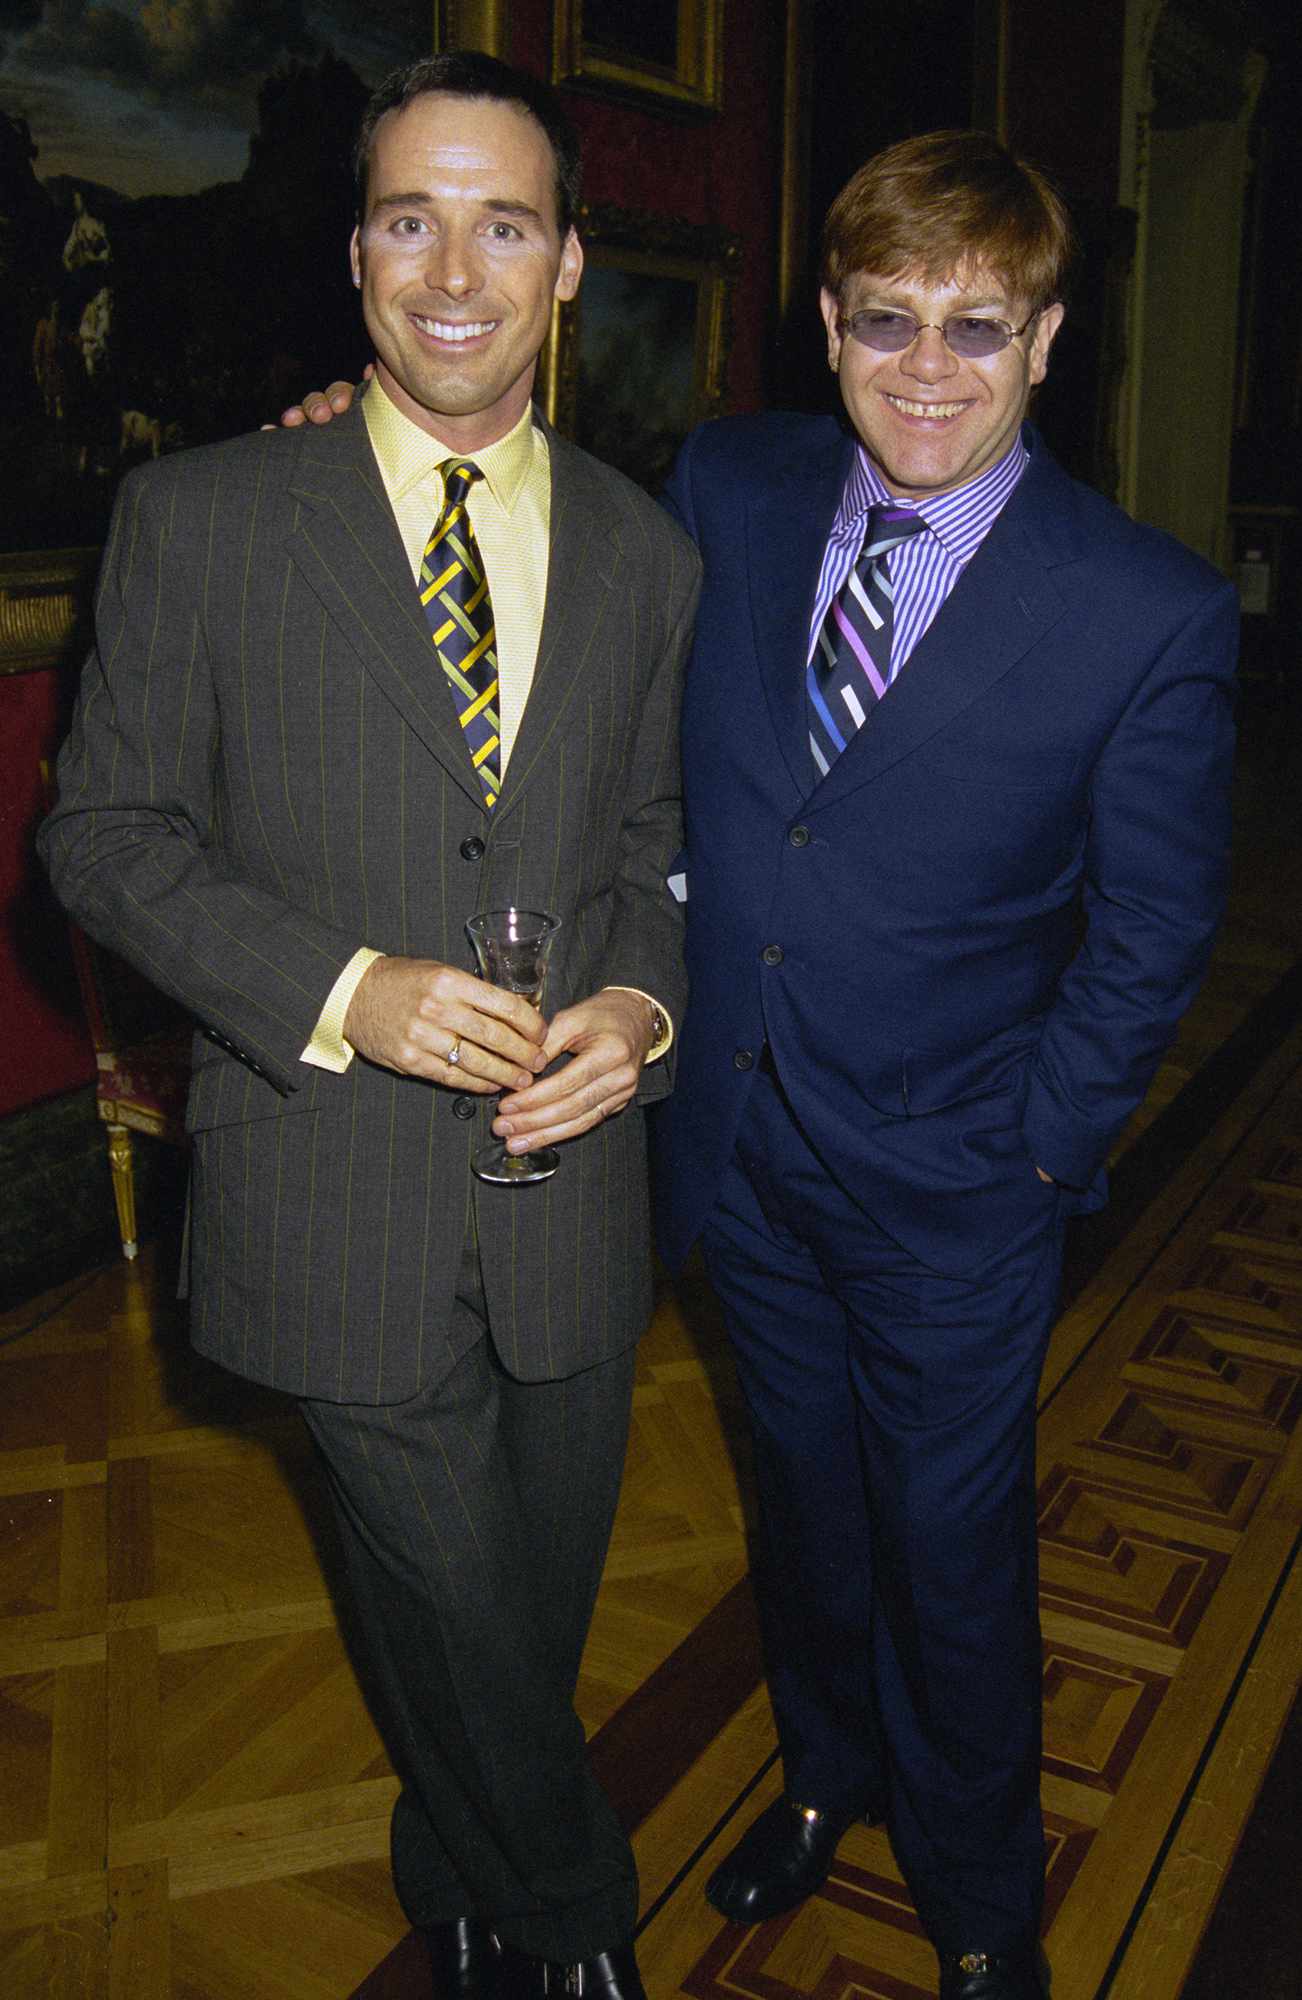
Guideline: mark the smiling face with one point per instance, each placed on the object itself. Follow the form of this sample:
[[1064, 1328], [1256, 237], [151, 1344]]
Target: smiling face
[[929, 420], [459, 258]]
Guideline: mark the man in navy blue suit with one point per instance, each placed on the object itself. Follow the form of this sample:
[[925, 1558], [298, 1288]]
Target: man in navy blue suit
[[957, 744]]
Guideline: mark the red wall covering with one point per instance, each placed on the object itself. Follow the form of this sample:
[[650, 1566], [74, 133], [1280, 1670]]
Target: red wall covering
[[1063, 57], [44, 1047], [724, 171]]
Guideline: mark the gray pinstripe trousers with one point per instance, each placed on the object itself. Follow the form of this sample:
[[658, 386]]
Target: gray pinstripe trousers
[[475, 1519]]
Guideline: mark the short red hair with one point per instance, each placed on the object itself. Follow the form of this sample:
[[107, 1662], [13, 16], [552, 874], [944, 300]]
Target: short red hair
[[945, 202]]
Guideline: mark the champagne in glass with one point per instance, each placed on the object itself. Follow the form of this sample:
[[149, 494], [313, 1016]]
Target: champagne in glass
[[512, 947]]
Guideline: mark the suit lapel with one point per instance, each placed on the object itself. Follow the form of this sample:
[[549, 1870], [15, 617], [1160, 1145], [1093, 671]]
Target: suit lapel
[[346, 544], [582, 565], [1003, 604], [787, 528]]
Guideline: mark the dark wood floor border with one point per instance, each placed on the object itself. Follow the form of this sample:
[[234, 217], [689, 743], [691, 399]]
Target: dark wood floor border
[[403, 1975], [1253, 1943], [1272, 1839], [654, 1738]]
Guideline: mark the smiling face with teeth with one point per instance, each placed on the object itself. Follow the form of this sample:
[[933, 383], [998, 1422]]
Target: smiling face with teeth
[[929, 420], [459, 258]]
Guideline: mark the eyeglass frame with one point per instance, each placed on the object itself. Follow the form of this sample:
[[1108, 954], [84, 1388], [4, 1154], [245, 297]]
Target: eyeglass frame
[[846, 325]]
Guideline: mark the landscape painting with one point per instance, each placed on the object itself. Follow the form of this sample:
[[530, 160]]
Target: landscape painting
[[175, 206], [641, 355]]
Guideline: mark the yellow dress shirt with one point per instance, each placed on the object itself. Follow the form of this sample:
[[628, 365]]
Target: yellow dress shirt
[[510, 511]]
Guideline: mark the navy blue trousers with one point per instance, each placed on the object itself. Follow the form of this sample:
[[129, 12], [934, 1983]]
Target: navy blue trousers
[[893, 1415]]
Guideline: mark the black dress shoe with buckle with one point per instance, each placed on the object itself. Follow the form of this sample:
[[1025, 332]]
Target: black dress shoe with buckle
[[610, 1975], [464, 1958], [782, 1859], [1020, 1974]]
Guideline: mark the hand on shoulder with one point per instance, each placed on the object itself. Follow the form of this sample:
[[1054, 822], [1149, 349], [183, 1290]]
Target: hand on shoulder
[[321, 406]]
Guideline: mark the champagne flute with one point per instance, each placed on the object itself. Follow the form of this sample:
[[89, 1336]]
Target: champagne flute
[[512, 947]]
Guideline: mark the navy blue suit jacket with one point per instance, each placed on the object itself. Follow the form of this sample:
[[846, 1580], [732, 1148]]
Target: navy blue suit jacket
[[968, 944]]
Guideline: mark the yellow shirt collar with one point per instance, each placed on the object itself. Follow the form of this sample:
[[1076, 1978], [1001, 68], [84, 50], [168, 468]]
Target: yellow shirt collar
[[408, 456]]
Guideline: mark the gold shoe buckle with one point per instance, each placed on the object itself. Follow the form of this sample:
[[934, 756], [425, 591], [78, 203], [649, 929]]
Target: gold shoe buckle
[[974, 1961]]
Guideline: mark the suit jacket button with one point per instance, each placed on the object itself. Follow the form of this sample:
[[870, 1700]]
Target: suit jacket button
[[472, 849], [464, 1107], [773, 954], [744, 1059], [799, 836]]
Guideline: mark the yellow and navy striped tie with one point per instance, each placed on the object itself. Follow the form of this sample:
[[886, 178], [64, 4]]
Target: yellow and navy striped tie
[[454, 592]]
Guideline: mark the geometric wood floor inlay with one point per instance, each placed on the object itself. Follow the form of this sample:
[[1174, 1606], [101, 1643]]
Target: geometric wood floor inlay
[[1097, 1561], [1096, 1712]]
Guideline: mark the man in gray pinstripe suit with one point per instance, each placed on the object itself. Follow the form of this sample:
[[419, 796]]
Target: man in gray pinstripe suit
[[267, 803]]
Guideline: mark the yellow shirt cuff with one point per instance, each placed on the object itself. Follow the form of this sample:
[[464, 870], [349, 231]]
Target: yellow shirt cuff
[[327, 1048], [664, 1041]]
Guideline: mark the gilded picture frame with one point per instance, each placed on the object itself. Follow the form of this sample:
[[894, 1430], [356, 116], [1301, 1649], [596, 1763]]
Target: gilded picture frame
[[663, 52], [641, 355]]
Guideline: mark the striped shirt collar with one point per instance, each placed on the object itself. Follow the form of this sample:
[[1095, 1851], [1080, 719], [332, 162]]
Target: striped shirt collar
[[960, 519], [408, 456]]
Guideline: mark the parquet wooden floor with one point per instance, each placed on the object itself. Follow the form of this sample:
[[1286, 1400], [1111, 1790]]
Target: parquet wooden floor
[[194, 1800]]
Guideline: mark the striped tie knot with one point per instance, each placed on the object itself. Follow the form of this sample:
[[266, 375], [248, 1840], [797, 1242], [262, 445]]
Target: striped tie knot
[[455, 596], [887, 526]]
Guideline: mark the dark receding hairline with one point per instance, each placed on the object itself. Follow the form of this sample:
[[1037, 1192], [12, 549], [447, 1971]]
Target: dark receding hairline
[[470, 74]]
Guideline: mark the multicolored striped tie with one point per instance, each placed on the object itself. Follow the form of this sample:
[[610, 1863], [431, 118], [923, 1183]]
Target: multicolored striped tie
[[851, 666], [454, 591]]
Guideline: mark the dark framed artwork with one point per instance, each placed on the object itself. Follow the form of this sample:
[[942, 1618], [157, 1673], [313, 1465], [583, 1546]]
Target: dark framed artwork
[[175, 207], [641, 355], [667, 51]]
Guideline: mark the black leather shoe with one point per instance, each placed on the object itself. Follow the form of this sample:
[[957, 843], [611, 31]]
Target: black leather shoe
[[464, 1958], [782, 1859], [979, 1975], [611, 1975]]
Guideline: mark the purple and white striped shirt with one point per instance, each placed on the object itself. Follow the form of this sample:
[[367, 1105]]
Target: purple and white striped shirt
[[924, 569]]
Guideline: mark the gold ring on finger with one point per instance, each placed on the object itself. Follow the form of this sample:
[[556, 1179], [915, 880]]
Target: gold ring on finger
[[453, 1056]]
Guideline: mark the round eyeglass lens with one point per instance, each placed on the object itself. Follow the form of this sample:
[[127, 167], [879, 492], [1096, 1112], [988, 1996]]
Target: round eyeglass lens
[[966, 334], [971, 336]]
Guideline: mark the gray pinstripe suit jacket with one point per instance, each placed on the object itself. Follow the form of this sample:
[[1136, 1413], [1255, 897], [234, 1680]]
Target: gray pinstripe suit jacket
[[266, 771]]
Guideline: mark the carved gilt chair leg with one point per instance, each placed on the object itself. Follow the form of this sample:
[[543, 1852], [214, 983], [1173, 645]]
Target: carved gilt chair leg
[[124, 1189]]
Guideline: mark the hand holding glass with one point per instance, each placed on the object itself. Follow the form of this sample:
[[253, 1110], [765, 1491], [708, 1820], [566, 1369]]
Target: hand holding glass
[[512, 947]]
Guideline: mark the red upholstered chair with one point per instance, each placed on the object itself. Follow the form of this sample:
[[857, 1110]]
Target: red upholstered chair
[[142, 1053]]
